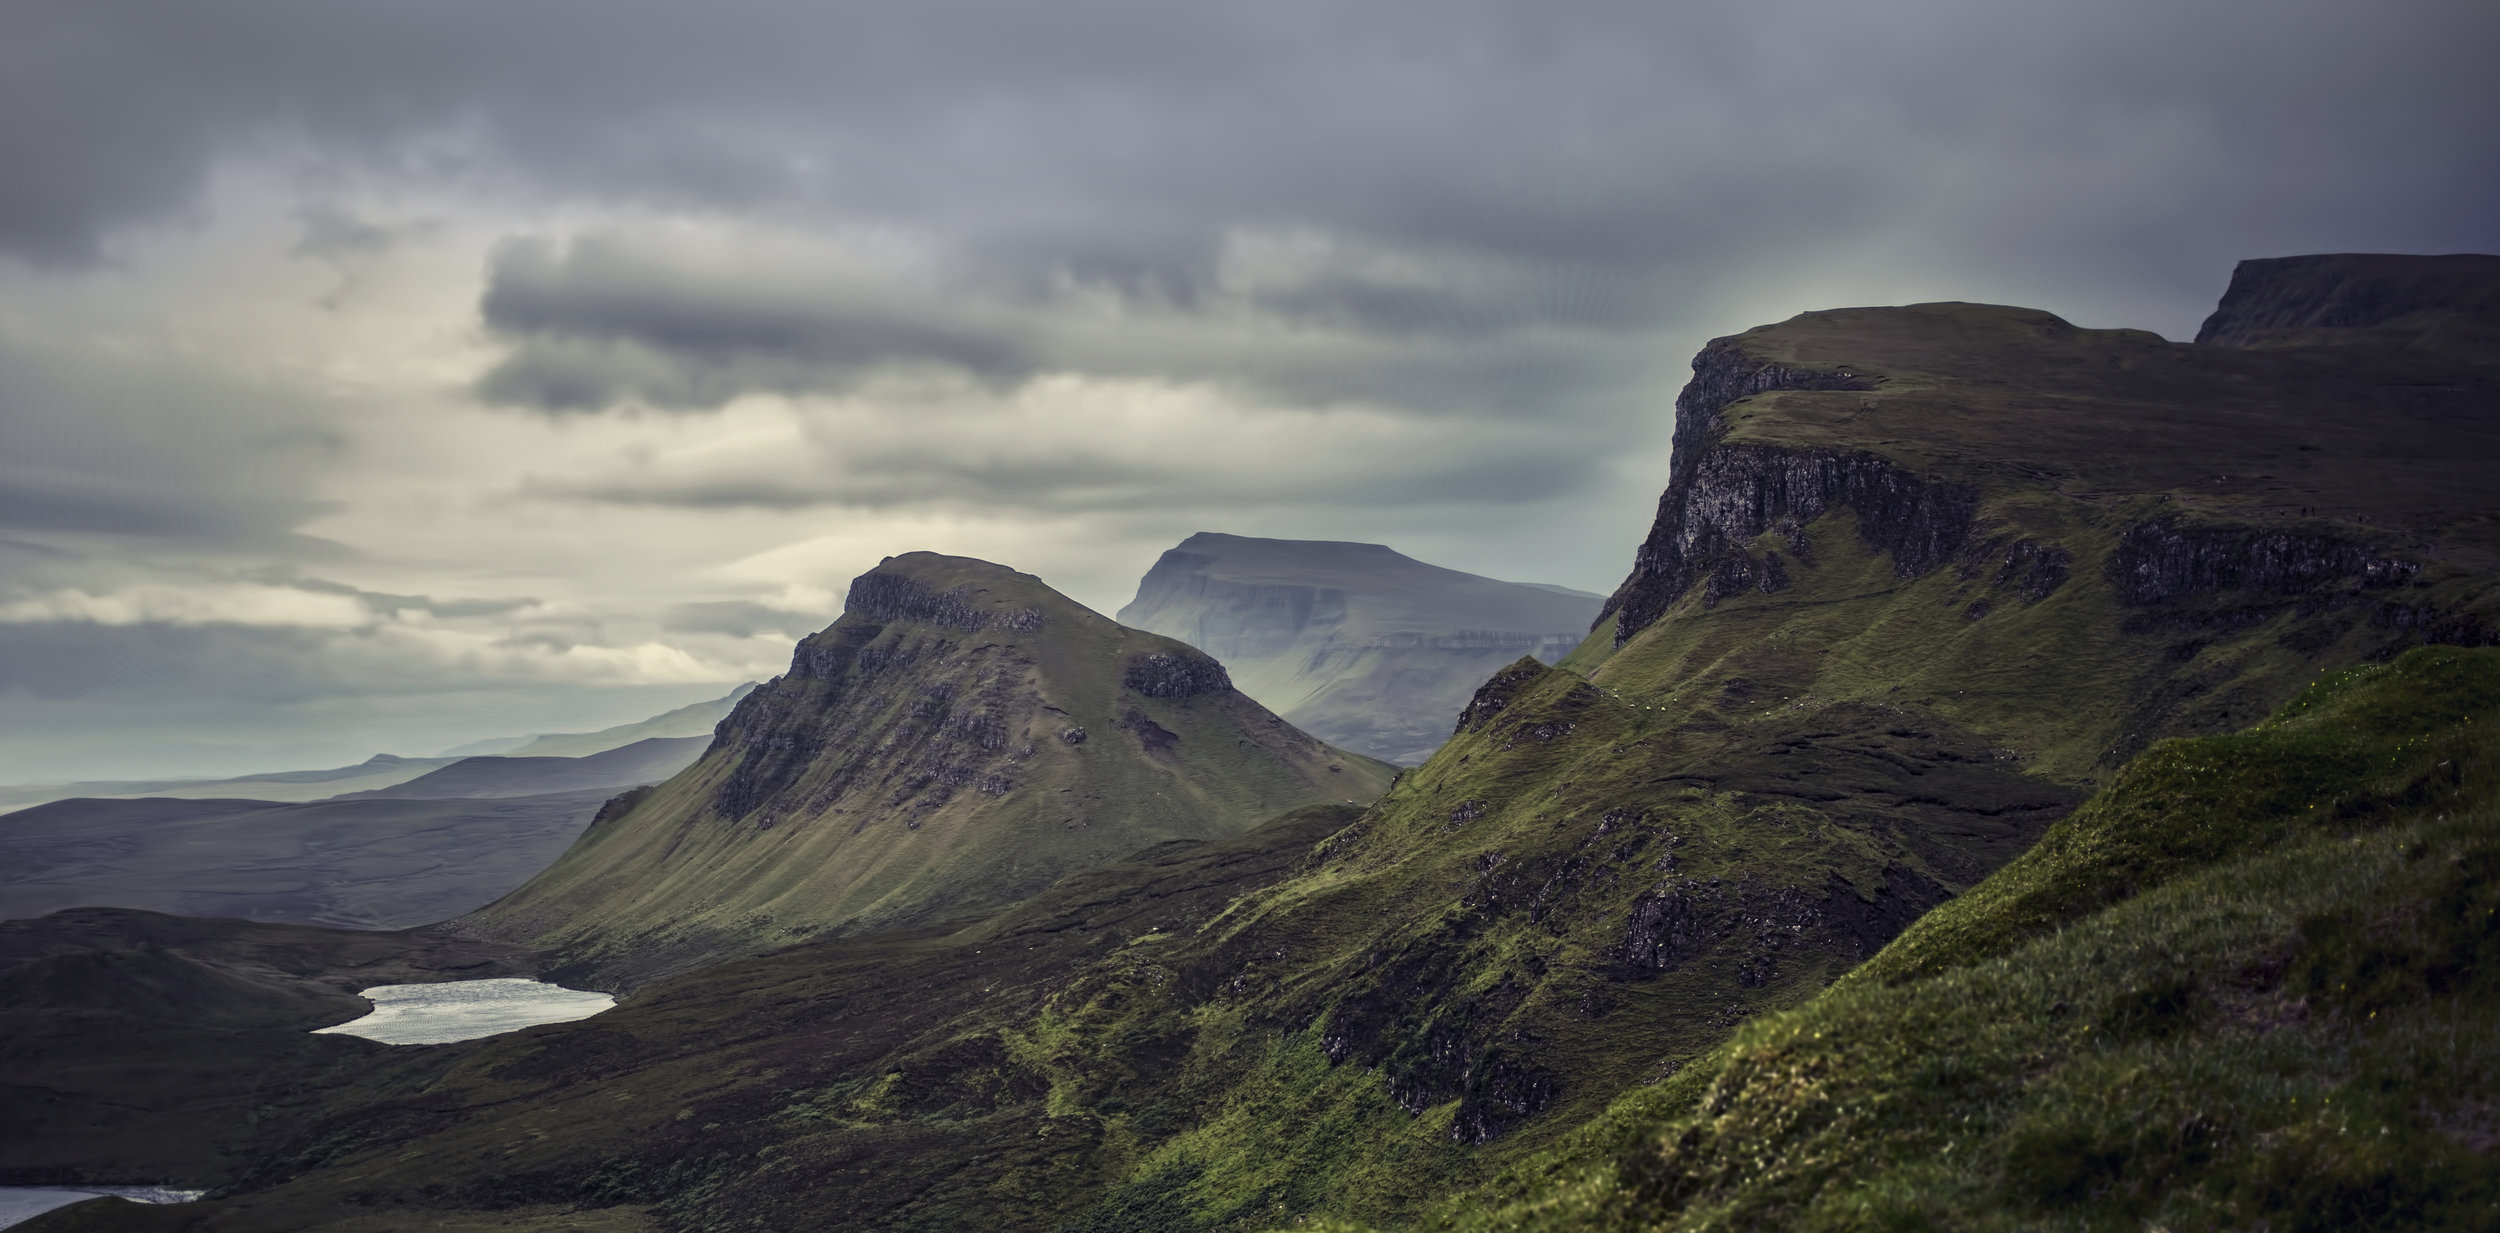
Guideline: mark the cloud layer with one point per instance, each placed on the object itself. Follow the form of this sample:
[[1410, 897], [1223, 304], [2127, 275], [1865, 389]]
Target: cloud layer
[[632, 329]]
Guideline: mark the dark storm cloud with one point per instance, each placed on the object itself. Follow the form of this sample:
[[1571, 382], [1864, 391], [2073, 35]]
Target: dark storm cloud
[[604, 319], [1113, 139], [596, 322]]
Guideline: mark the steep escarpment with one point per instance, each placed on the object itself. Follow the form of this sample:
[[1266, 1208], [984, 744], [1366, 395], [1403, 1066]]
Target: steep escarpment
[[1359, 645], [959, 739], [2448, 305]]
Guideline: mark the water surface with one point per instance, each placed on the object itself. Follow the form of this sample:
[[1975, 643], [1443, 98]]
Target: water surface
[[440, 1013], [19, 1204]]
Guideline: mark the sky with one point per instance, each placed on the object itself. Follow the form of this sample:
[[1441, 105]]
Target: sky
[[382, 376]]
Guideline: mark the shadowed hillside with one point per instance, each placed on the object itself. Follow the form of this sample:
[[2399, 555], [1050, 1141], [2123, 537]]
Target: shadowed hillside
[[355, 864]]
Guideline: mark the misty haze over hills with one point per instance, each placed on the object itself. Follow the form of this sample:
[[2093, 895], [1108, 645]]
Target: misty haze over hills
[[1356, 644]]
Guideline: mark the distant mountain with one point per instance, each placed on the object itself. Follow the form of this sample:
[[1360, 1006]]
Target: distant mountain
[[379, 771], [695, 720], [961, 737], [358, 864], [644, 761], [385, 770], [1356, 644], [1575, 592]]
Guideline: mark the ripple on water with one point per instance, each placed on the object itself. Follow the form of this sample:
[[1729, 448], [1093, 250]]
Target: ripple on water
[[446, 1011]]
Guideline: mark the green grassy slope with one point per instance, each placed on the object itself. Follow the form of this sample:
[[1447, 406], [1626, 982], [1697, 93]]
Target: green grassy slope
[[2249, 985], [962, 737]]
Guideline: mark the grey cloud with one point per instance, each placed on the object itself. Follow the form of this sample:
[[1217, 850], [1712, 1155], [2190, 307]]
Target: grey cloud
[[384, 601], [595, 321], [333, 233], [1495, 471], [103, 442], [1117, 140], [75, 659], [737, 619], [601, 321]]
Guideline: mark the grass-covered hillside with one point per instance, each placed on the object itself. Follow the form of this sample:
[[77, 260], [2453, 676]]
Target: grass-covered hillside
[[961, 738], [2251, 984]]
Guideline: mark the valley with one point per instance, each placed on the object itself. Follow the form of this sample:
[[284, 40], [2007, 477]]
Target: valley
[[2029, 774]]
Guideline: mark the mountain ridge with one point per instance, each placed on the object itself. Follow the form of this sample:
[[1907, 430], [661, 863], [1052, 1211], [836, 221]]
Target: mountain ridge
[[961, 737]]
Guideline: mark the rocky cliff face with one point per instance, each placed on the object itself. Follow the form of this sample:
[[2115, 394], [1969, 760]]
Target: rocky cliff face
[[1720, 499], [959, 739], [1362, 646]]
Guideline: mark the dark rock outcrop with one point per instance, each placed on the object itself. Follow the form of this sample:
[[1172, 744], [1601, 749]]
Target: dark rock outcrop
[[882, 596], [2166, 561], [1722, 497], [1174, 674]]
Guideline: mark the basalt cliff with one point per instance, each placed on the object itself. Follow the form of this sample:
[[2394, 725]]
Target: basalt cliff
[[1356, 644], [2030, 774]]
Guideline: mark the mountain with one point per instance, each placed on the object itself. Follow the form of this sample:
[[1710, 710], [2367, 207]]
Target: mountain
[[959, 739], [697, 719], [425, 849], [2442, 305], [385, 770], [1360, 646], [379, 771], [2167, 741], [645, 761], [359, 863]]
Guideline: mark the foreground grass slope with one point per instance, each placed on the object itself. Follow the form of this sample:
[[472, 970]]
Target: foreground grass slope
[[2249, 985]]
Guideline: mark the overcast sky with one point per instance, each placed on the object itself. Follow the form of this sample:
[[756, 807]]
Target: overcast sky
[[381, 376]]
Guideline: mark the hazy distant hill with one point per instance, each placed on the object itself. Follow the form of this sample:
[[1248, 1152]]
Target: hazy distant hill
[[385, 770], [414, 852], [695, 720], [379, 771], [645, 761], [1356, 644], [359, 864]]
